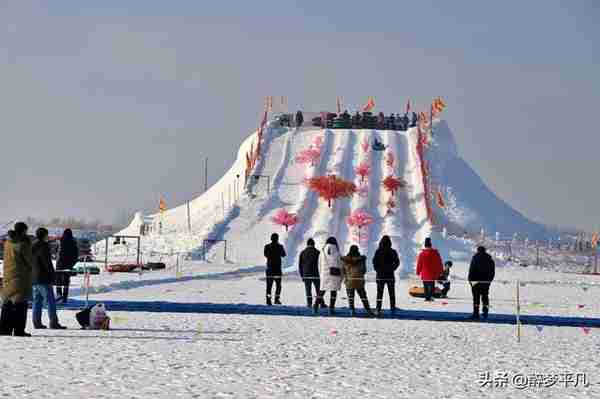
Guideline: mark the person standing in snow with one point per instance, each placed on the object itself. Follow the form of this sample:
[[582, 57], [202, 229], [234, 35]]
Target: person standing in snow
[[385, 263], [445, 278], [355, 268], [429, 268], [481, 274], [16, 284], [68, 256], [414, 120], [308, 267], [274, 252], [299, 118], [43, 278], [331, 271]]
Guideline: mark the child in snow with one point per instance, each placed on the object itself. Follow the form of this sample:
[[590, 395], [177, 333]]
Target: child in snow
[[444, 278]]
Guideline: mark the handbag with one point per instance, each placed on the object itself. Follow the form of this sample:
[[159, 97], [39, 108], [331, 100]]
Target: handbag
[[335, 271]]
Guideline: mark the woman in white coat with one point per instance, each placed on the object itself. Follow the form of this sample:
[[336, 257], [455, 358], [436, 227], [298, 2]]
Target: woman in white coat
[[331, 271]]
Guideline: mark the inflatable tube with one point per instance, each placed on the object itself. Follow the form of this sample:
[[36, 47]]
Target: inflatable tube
[[154, 266], [419, 292], [121, 268]]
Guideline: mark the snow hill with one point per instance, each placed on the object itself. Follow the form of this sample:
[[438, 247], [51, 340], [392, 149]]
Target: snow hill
[[245, 220]]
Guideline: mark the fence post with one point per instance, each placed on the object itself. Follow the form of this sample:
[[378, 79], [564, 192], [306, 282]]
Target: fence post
[[518, 313]]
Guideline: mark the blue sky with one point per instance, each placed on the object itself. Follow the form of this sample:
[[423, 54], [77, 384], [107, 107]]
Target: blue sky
[[108, 105]]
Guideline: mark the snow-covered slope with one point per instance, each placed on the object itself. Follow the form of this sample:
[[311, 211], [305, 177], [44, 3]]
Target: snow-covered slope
[[470, 204], [245, 220]]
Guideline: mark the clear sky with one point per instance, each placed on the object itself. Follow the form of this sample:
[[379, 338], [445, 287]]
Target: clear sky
[[107, 105]]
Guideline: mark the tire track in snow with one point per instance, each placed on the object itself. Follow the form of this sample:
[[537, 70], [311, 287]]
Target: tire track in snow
[[306, 209], [359, 202], [376, 193], [274, 199], [345, 171], [414, 223]]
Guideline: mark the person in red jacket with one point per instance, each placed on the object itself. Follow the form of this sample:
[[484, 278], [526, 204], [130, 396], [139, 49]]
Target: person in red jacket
[[429, 268]]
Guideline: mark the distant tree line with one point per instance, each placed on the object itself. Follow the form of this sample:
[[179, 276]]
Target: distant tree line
[[73, 223]]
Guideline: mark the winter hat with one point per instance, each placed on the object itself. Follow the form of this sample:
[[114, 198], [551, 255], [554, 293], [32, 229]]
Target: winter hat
[[385, 242], [428, 242], [448, 263], [354, 251], [20, 229], [332, 241], [274, 237], [41, 233], [310, 242], [481, 248]]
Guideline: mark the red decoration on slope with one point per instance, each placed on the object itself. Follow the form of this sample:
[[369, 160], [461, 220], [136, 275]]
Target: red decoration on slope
[[363, 170], [392, 184], [284, 218], [331, 187]]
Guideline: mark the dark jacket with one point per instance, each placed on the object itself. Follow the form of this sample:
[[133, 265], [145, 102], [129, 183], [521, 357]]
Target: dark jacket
[[482, 267], [68, 254], [274, 252], [16, 284], [43, 269], [385, 260], [308, 265], [299, 118]]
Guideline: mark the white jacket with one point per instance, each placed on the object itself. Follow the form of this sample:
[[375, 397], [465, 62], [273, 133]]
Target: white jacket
[[330, 257]]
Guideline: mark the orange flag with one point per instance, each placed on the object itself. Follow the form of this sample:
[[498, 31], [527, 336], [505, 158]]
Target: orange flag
[[370, 105], [162, 205]]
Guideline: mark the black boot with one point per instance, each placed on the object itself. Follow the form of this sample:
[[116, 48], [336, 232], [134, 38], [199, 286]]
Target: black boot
[[475, 315], [7, 319], [269, 300], [316, 308], [378, 308], [332, 305], [485, 312], [309, 302], [351, 305], [277, 301], [21, 319], [368, 307]]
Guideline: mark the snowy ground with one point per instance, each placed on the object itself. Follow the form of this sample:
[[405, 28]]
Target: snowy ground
[[207, 334]]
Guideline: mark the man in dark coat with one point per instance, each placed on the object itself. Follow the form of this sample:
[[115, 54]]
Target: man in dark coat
[[274, 252], [68, 256], [42, 279], [299, 119], [385, 263], [16, 284], [481, 274], [308, 267]]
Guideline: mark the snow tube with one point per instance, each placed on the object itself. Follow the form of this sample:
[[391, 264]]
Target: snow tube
[[154, 266], [91, 269], [419, 292], [121, 268]]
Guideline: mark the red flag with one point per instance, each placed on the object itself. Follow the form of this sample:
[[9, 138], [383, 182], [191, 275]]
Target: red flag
[[370, 105]]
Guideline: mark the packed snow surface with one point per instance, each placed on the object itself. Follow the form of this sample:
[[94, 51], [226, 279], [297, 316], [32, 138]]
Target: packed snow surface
[[203, 331]]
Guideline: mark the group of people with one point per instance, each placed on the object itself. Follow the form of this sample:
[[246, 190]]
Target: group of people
[[364, 120], [326, 270], [29, 274]]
